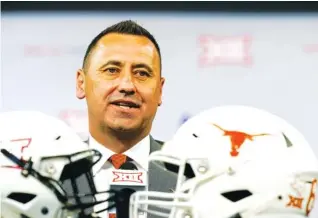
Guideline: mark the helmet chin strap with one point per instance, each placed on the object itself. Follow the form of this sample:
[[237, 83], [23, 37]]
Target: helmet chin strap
[[13, 158]]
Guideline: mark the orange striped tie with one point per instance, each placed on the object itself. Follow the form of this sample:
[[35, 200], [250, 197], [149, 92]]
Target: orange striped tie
[[112, 215], [117, 160]]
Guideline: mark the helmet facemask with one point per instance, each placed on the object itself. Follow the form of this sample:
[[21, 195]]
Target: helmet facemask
[[65, 176]]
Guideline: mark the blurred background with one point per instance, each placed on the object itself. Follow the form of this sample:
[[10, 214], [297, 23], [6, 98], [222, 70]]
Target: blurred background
[[258, 54], [214, 53]]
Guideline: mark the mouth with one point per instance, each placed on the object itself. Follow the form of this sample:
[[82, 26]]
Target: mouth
[[126, 104]]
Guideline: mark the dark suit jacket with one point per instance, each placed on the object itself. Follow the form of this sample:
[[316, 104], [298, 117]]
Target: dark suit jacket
[[159, 178]]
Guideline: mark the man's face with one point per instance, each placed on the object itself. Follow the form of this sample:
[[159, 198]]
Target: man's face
[[122, 82]]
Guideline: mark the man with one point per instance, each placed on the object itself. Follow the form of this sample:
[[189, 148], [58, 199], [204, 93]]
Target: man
[[122, 83]]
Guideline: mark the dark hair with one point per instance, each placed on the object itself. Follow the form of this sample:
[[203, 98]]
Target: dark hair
[[124, 27]]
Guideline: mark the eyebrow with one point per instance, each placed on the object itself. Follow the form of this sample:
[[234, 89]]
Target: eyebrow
[[140, 65], [112, 62], [120, 64]]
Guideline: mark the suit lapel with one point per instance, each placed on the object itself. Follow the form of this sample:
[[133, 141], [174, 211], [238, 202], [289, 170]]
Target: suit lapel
[[160, 179], [154, 145]]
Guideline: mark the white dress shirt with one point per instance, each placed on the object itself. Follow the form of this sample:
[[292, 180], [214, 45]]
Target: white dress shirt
[[102, 170]]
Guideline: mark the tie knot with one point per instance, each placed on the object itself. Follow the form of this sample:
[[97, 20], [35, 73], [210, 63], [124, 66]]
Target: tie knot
[[118, 160]]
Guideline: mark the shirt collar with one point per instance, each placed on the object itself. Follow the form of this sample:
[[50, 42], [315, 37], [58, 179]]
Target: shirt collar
[[139, 153]]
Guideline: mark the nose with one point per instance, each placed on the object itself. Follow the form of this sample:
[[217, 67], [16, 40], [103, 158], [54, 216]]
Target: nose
[[126, 84]]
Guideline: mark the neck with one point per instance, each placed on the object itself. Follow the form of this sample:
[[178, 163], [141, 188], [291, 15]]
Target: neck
[[117, 141]]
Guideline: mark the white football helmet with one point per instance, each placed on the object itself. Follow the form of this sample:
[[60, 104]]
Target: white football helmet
[[39, 155], [234, 162]]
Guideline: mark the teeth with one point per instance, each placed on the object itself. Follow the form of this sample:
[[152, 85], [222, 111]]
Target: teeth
[[126, 107]]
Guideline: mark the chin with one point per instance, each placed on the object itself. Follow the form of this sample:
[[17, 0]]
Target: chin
[[126, 128], [125, 132]]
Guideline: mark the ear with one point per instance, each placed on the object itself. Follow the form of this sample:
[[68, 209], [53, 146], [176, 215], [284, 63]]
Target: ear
[[162, 82], [80, 84]]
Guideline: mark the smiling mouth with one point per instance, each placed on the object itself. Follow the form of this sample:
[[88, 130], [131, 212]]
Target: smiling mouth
[[126, 105]]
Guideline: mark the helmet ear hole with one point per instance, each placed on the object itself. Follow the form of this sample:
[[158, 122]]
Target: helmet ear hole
[[236, 216], [20, 197], [237, 195], [189, 173]]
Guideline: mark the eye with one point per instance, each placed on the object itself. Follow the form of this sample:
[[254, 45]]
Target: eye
[[111, 70], [142, 73]]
